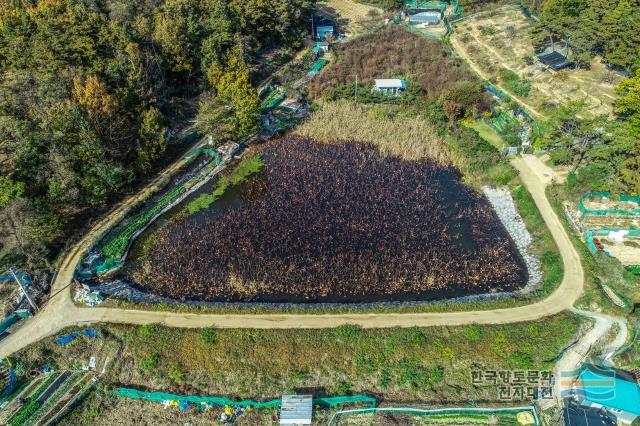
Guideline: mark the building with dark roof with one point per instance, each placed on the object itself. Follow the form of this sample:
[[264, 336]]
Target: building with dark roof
[[577, 415], [555, 59]]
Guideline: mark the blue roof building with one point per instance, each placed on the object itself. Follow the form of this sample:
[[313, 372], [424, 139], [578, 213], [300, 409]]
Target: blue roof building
[[614, 390], [324, 31]]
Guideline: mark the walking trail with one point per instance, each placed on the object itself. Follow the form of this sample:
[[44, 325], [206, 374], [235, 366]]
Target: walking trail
[[61, 312], [567, 368]]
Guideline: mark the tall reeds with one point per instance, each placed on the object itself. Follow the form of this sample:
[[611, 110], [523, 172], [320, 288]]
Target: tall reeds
[[407, 138]]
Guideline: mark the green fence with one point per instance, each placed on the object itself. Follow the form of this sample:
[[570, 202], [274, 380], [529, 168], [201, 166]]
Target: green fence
[[217, 401], [605, 212], [589, 234], [436, 412], [116, 246], [271, 98], [317, 66], [426, 5]]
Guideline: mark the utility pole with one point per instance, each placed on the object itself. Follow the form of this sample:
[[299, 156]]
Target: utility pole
[[356, 94], [312, 29], [24, 290]]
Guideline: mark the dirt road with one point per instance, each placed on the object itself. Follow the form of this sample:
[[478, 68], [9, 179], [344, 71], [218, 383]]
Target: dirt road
[[462, 53], [61, 312], [567, 368]]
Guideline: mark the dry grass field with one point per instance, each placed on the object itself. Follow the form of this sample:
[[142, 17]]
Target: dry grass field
[[406, 138], [500, 41], [353, 18]]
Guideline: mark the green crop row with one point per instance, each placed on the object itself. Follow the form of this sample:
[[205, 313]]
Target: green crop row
[[32, 406], [116, 247], [55, 397]]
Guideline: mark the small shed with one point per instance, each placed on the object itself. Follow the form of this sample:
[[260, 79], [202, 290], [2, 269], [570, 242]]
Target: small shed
[[296, 410], [321, 46], [390, 86], [555, 59]]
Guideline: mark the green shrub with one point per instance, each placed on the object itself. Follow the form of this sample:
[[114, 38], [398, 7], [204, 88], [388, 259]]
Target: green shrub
[[348, 332], [175, 373], [150, 363], [560, 156], [472, 332], [343, 388], [147, 331], [515, 83], [520, 360], [209, 336]]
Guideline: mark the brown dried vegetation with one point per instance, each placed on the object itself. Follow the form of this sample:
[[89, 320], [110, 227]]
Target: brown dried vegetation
[[393, 52], [339, 222]]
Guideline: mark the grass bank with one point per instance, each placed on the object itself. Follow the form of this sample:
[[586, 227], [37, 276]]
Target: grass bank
[[415, 364]]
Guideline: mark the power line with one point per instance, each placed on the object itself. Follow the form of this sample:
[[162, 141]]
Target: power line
[[24, 290]]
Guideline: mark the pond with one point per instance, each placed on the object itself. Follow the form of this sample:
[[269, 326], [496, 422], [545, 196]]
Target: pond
[[332, 223]]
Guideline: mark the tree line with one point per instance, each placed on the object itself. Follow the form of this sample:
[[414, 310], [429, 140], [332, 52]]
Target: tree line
[[86, 95], [593, 28]]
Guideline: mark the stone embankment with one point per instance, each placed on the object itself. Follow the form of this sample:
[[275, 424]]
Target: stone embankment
[[502, 202]]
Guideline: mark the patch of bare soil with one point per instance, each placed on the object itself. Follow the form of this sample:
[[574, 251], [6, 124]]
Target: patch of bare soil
[[500, 40]]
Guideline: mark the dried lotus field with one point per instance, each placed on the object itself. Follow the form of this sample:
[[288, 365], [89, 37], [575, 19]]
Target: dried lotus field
[[334, 222]]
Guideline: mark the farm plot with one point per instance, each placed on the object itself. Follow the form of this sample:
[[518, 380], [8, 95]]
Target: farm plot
[[497, 46], [355, 17], [336, 222]]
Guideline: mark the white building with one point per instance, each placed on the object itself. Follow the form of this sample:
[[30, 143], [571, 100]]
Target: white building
[[390, 86]]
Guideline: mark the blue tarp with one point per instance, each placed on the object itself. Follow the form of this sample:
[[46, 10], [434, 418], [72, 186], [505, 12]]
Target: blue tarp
[[24, 278], [68, 338], [12, 319], [12, 383]]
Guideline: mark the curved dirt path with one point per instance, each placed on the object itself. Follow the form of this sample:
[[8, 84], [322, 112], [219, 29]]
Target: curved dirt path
[[567, 368], [61, 312]]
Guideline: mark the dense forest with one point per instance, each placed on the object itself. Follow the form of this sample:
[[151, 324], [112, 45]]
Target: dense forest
[[594, 27], [87, 91]]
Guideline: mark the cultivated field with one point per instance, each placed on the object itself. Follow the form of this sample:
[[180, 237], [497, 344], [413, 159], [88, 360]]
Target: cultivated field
[[499, 41], [353, 18]]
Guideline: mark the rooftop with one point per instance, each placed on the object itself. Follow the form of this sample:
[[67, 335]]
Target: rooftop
[[585, 416], [610, 388], [390, 83]]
